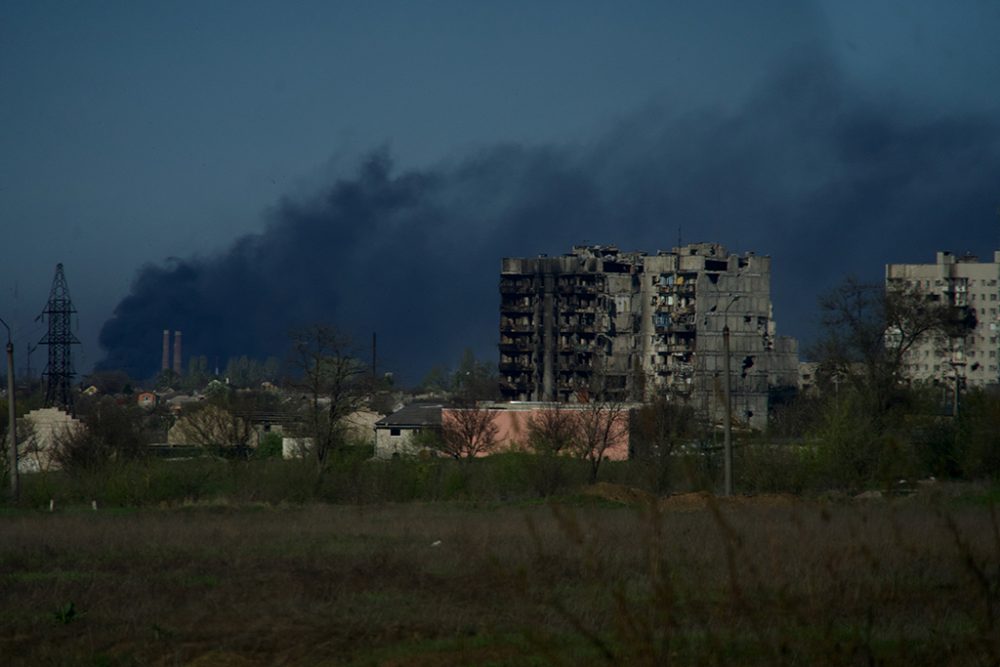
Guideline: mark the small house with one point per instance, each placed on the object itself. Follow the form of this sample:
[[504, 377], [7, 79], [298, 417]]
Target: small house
[[395, 433], [146, 399]]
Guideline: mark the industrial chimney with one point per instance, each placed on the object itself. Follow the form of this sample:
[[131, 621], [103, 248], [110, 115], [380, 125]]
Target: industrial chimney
[[165, 364], [177, 352]]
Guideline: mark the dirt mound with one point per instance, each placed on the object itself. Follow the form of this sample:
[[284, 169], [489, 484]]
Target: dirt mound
[[769, 500], [219, 658], [690, 502], [619, 493], [685, 502]]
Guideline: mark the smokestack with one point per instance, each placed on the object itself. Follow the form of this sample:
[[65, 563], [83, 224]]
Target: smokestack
[[177, 352], [165, 364]]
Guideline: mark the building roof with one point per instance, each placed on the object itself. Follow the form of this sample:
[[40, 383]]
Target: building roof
[[413, 415]]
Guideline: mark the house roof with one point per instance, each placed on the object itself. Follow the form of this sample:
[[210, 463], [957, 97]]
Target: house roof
[[413, 415]]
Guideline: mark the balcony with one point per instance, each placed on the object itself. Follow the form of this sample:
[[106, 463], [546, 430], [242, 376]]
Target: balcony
[[576, 367], [577, 328], [513, 326], [576, 348], [578, 288], [674, 323], [517, 387], [517, 306], [519, 288], [674, 348], [588, 306], [515, 367], [522, 345]]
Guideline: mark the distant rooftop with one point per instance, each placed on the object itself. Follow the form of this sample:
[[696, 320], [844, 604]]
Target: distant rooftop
[[414, 415]]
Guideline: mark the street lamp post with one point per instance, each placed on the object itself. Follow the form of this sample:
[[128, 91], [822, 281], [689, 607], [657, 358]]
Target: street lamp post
[[955, 401], [728, 427], [11, 417]]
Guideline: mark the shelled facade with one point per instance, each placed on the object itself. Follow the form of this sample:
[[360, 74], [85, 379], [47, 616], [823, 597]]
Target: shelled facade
[[963, 282], [601, 323]]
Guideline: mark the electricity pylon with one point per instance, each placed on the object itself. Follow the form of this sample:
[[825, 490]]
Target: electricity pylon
[[59, 339]]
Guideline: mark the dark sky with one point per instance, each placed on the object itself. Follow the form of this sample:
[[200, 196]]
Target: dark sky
[[233, 169]]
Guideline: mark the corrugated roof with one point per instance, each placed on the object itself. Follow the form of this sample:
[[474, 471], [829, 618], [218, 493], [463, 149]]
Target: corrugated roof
[[415, 415]]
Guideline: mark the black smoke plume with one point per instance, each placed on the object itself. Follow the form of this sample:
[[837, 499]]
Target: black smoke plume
[[825, 177]]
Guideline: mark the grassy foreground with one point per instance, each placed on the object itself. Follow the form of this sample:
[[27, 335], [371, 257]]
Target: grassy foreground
[[686, 580]]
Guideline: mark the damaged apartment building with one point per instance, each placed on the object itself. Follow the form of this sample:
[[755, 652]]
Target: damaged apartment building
[[963, 282], [602, 323]]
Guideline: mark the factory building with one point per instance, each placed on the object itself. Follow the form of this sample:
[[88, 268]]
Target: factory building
[[963, 282], [605, 324]]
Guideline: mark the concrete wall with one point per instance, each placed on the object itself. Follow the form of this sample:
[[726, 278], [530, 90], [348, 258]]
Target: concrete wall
[[39, 433], [296, 448], [361, 425], [388, 445], [513, 425]]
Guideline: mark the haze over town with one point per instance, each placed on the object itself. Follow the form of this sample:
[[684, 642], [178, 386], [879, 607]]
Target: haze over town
[[233, 170], [593, 239]]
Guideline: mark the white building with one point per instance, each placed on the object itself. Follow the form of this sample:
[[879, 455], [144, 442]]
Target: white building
[[395, 433], [957, 281], [40, 434]]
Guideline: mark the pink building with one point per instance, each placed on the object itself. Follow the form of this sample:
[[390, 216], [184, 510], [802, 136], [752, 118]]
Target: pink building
[[146, 399], [513, 423]]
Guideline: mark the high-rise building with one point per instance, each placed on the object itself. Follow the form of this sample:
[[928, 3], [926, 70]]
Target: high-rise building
[[630, 325], [964, 282]]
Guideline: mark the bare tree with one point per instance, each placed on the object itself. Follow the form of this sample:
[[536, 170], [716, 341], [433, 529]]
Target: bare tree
[[108, 432], [869, 331], [32, 453], [602, 422], [334, 381], [226, 419], [659, 429], [218, 426], [551, 435], [475, 380], [552, 430], [468, 431], [600, 426]]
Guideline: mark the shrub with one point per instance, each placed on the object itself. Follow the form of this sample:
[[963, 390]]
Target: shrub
[[111, 432], [978, 425], [269, 446]]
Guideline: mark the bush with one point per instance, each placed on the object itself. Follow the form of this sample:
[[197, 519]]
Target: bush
[[269, 447], [763, 467], [111, 433], [978, 425]]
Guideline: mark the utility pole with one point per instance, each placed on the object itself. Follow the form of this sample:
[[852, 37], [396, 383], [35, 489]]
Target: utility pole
[[31, 348], [955, 401], [11, 418], [727, 443], [728, 430]]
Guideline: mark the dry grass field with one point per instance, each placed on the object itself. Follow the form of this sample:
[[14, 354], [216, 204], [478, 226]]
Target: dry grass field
[[689, 580]]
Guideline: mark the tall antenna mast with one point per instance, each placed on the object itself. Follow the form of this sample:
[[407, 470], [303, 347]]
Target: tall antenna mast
[[59, 339]]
